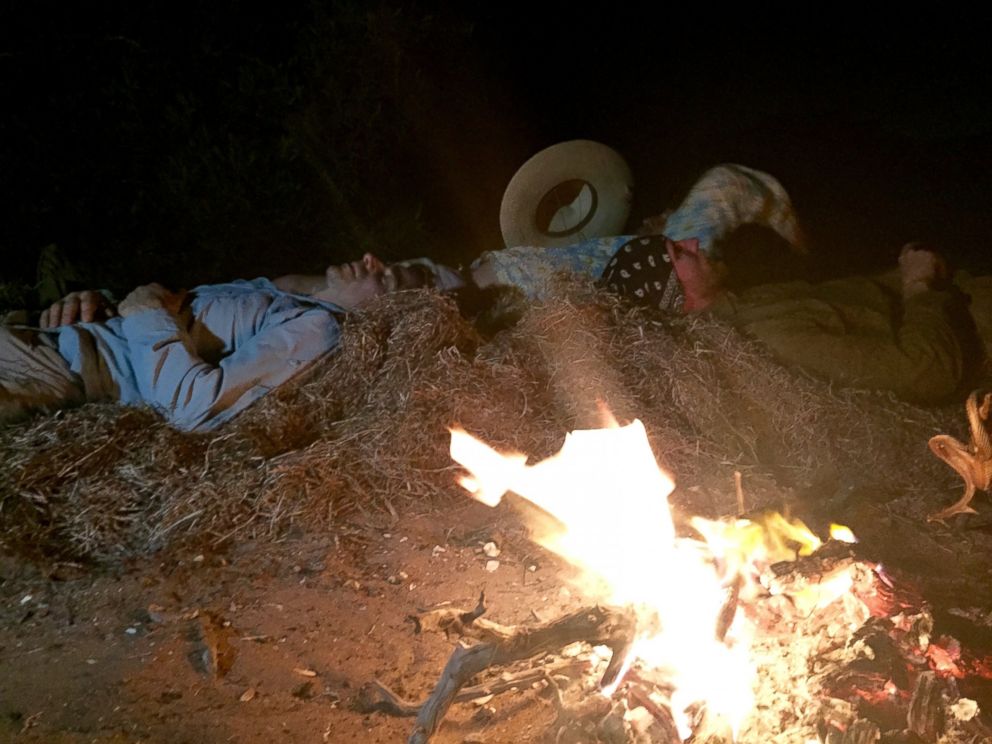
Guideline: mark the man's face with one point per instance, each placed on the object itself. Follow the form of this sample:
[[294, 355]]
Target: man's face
[[351, 284]]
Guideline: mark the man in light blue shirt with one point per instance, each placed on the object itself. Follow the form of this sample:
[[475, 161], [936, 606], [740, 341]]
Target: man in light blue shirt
[[198, 357]]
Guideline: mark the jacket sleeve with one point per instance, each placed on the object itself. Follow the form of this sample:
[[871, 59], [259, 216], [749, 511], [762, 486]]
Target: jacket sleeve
[[197, 396], [920, 356]]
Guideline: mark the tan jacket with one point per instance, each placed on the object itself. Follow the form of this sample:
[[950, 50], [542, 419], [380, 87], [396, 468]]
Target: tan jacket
[[859, 331]]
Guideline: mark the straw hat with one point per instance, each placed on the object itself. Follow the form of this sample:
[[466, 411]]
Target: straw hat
[[567, 193]]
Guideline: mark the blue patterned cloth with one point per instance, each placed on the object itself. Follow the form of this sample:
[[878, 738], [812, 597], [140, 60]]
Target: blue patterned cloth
[[727, 197], [532, 268]]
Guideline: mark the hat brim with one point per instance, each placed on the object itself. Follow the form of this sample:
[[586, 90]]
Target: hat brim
[[600, 209]]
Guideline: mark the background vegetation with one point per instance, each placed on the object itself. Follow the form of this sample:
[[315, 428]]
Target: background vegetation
[[222, 141], [186, 143]]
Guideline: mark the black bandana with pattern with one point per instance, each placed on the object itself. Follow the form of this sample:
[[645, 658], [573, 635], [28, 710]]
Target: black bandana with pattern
[[641, 271]]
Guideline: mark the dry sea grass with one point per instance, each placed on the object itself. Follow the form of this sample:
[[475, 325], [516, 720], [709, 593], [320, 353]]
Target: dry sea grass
[[365, 430]]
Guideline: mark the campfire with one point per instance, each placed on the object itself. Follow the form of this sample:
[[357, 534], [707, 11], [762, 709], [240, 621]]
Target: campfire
[[746, 630]]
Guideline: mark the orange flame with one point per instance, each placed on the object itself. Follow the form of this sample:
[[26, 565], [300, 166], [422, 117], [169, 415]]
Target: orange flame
[[610, 499]]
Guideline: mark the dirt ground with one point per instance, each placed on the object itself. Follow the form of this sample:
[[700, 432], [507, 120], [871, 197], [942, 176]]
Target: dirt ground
[[100, 657], [272, 642]]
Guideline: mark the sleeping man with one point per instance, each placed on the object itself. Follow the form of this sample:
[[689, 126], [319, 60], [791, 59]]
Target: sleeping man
[[203, 356], [198, 357]]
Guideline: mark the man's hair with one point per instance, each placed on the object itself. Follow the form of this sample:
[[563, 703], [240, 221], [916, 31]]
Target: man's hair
[[491, 309]]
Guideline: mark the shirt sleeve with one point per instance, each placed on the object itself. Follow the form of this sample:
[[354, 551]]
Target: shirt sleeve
[[920, 356], [197, 396]]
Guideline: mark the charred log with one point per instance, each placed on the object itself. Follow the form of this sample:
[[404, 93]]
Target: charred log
[[861, 731], [926, 709], [376, 697], [499, 645]]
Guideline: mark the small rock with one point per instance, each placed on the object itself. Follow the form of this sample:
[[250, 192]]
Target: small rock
[[248, 695], [532, 568], [156, 613], [131, 631], [199, 559], [492, 566], [491, 550], [393, 579], [305, 672], [26, 598], [437, 550], [480, 701], [474, 738]]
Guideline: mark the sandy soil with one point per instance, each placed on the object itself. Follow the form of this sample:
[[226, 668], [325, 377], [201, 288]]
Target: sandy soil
[[296, 628], [302, 625]]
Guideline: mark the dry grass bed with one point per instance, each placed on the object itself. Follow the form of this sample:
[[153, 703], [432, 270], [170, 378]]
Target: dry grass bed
[[366, 430]]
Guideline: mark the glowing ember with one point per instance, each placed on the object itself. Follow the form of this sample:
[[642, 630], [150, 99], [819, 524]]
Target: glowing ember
[[842, 534], [609, 500]]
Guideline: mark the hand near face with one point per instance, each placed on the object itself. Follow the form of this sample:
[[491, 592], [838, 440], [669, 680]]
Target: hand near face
[[920, 268], [77, 307], [150, 297]]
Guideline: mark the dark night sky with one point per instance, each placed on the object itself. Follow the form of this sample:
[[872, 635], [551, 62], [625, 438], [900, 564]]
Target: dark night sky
[[881, 132]]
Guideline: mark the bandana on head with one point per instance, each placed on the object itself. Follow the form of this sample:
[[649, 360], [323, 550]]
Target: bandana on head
[[641, 271]]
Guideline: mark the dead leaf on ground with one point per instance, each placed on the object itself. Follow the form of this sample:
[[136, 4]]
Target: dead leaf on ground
[[218, 654]]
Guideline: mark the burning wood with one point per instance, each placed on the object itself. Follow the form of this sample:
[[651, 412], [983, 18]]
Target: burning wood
[[500, 645], [758, 633]]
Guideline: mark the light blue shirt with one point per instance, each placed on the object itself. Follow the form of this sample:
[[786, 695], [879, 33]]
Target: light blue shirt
[[236, 343]]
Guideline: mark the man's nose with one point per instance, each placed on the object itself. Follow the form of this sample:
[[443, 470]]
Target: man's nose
[[372, 263]]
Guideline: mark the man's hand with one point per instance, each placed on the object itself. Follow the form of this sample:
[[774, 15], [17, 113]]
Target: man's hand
[[77, 307], [150, 297], [921, 268]]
